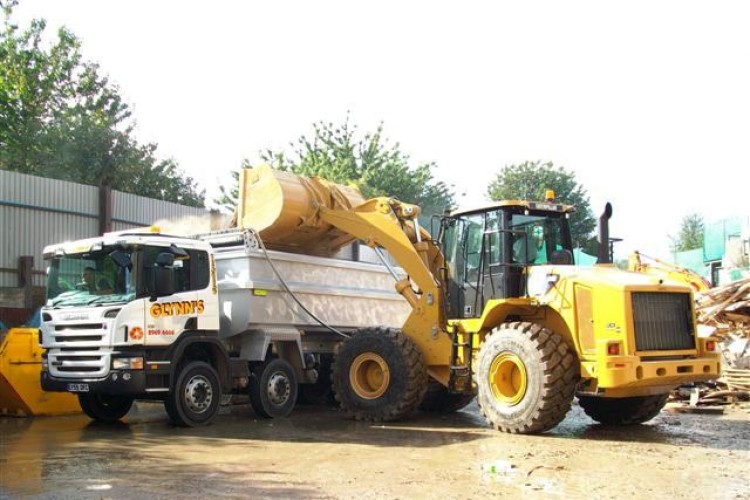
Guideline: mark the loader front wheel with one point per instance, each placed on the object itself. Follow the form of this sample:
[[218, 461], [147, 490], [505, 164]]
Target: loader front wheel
[[526, 378], [623, 411], [379, 374], [439, 400], [104, 407]]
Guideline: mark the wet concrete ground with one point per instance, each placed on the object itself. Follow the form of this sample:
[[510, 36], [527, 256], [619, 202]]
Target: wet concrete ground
[[317, 453]]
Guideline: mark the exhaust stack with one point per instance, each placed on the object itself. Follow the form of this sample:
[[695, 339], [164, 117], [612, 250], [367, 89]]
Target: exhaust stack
[[603, 256]]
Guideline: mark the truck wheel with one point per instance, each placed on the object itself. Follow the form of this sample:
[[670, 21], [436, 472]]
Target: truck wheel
[[437, 399], [379, 374], [273, 389], [194, 399], [526, 378], [623, 411], [105, 407]]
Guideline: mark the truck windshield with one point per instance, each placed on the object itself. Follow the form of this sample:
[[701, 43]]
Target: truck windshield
[[90, 278]]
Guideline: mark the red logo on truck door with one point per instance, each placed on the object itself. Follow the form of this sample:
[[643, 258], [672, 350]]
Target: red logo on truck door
[[177, 308], [136, 333]]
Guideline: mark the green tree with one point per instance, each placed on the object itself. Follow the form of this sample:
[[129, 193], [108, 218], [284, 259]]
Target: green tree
[[690, 236], [60, 118], [337, 153], [529, 181]]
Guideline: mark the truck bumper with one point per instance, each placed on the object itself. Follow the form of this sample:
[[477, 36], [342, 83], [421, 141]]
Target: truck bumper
[[122, 382], [633, 375]]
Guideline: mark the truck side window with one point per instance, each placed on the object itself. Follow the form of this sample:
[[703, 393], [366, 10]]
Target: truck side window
[[199, 269]]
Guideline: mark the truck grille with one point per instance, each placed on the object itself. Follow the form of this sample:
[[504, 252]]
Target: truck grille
[[79, 363], [663, 321]]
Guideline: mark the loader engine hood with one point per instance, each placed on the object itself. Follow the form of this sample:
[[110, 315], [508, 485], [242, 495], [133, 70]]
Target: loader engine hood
[[545, 282]]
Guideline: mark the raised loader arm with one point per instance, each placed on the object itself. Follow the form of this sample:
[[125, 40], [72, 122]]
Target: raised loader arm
[[293, 213]]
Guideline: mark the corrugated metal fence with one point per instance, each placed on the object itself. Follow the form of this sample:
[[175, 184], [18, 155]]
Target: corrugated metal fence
[[35, 212]]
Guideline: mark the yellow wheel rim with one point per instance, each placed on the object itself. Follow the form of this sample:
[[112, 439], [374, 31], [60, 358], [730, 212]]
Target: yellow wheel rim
[[507, 378], [369, 376]]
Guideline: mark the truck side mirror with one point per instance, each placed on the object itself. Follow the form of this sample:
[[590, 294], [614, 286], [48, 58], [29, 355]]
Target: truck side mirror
[[165, 259], [163, 282], [122, 259], [163, 274]]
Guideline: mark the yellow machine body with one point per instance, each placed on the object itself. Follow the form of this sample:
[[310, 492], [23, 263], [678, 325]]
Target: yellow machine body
[[20, 367], [592, 309]]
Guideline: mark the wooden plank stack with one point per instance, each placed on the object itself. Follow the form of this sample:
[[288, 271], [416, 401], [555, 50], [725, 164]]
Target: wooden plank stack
[[727, 308]]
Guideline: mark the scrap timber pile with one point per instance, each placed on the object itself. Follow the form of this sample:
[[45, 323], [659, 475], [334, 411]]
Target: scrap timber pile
[[726, 309]]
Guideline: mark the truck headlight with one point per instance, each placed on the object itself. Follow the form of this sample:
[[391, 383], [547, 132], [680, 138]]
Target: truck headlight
[[127, 363], [45, 364]]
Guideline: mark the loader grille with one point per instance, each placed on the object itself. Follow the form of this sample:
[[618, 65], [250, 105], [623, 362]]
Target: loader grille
[[663, 321]]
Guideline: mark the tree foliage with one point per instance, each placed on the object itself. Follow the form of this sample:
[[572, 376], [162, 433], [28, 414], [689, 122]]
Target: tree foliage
[[690, 236], [337, 153], [529, 181], [60, 118]]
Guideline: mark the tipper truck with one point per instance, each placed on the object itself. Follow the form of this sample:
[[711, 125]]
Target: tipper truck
[[492, 307]]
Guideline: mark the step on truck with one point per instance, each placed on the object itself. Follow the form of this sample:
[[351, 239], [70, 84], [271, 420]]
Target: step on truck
[[493, 307]]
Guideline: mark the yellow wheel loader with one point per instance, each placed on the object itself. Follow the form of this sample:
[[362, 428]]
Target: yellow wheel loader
[[500, 310]]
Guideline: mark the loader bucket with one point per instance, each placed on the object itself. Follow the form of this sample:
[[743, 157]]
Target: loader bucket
[[20, 369], [283, 208]]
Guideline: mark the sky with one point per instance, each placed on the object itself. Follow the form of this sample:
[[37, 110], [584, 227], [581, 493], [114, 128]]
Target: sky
[[648, 103]]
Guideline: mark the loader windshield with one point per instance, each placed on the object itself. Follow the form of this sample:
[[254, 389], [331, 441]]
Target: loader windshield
[[92, 278]]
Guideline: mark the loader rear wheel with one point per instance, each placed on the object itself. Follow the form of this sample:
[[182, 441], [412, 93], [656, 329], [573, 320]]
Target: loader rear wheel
[[379, 374], [526, 378], [194, 399], [105, 407], [273, 389], [623, 411], [439, 400]]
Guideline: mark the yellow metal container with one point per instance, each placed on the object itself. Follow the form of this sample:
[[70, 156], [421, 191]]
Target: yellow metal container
[[283, 208], [20, 368]]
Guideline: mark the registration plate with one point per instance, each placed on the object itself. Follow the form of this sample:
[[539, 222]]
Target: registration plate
[[78, 387]]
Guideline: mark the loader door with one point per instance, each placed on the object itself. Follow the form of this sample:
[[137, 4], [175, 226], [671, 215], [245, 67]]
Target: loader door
[[474, 247]]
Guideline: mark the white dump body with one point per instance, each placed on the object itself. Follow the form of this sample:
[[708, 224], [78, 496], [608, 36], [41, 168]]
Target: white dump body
[[344, 294]]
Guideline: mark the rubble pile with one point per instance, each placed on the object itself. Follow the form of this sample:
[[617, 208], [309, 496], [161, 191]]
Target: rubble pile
[[725, 312]]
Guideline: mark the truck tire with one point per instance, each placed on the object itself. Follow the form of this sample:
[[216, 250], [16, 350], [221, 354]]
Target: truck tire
[[194, 399], [273, 389], [379, 374], [105, 407], [623, 411], [437, 399], [526, 378]]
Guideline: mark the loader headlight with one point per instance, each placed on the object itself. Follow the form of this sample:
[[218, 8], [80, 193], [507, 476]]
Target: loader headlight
[[127, 363]]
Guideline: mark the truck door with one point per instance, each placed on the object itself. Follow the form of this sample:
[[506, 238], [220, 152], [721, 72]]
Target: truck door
[[167, 317]]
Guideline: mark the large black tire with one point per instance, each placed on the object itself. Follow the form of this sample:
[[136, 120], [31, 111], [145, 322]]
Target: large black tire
[[379, 374], [273, 389], [194, 399], [105, 407], [623, 411], [526, 378], [438, 399]]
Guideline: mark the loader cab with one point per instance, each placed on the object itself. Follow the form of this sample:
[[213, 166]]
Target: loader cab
[[488, 251]]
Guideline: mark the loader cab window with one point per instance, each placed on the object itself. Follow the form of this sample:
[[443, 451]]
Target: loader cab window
[[472, 246], [540, 239], [487, 254]]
